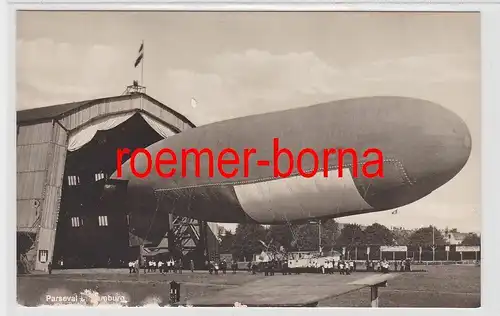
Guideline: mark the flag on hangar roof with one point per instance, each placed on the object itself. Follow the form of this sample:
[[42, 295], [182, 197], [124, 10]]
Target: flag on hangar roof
[[141, 55]]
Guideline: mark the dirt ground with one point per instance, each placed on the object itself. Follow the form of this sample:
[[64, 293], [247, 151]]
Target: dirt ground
[[440, 286]]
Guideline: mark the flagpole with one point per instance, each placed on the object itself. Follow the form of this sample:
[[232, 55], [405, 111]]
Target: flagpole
[[142, 63]]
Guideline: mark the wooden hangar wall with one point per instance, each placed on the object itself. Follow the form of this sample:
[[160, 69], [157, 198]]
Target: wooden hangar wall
[[41, 155]]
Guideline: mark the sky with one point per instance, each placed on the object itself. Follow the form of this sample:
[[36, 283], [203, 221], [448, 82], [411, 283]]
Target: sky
[[240, 63]]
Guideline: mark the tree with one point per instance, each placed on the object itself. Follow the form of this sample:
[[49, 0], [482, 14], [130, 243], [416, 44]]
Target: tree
[[471, 239], [246, 240], [329, 232], [281, 235], [221, 231], [226, 241], [378, 235], [423, 237], [401, 236], [305, 237], [351, 235]]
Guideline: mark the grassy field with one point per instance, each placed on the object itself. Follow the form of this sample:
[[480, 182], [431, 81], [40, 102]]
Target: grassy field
[[440, 286]]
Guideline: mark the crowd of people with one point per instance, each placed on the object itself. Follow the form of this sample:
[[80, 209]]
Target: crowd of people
[[151, 265], [214, 266], [384, 265], [344, 267], [328, 266]]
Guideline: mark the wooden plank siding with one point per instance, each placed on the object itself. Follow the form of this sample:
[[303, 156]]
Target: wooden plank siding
[[33, 145], [84, 116], [41, 154], [52, 193], [34, 134]]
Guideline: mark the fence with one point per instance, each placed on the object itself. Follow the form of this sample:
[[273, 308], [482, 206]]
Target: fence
[[417, 253]]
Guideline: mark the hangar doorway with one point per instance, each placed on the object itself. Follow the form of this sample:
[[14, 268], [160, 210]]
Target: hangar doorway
[[93, 228], [60, 149]]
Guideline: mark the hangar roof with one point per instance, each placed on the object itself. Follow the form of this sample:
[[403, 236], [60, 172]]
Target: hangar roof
[[61, 110]]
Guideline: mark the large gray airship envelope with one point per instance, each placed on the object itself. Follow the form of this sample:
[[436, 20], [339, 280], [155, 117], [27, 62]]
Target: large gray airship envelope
[[423, 145]]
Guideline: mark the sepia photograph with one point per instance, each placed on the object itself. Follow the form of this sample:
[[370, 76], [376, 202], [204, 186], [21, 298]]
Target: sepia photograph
[[248, 159]]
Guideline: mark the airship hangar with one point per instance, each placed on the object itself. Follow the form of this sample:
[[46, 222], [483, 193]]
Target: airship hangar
[[65, 154]]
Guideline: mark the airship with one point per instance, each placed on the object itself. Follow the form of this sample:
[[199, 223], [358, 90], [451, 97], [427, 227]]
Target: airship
[[420, 144]]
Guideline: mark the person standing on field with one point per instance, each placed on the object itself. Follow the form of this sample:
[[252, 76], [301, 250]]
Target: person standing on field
[[49, 267], [160, 266]]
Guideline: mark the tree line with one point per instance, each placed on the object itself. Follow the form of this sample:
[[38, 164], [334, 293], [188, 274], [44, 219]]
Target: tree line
[[250, 239]]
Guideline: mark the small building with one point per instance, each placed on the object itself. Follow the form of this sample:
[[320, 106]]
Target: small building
[[454, 238]]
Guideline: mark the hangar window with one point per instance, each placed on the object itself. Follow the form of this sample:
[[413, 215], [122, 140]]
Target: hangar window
[[76, 222], [99, 176], [43, 255], [73, 180], [103, 221]]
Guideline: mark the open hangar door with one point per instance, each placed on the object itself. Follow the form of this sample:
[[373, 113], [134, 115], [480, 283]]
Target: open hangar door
[[93, 227], [93, 230]]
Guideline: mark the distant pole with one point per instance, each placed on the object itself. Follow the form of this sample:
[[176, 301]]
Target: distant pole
[[433, 236], [319, 237], [433, 246]]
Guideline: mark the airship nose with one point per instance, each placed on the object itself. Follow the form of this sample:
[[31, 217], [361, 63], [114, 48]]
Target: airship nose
[[428, 147], [443, 152], [440, 148]]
